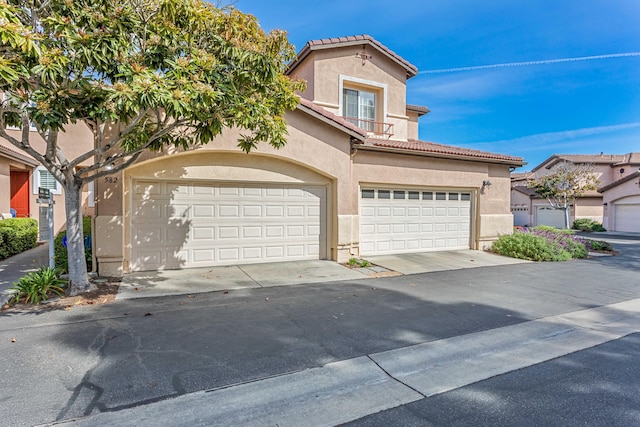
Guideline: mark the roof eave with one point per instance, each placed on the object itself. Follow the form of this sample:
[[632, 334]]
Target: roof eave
[[411, 69], [332, 123], [18, 157], [441, 155]]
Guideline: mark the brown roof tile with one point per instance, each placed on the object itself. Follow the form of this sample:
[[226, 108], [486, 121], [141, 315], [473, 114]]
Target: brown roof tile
[[335, 119], [17, 155], [618, 182], [629, 159], [440, 149], [358, 40], [420, 109], [580, 158]]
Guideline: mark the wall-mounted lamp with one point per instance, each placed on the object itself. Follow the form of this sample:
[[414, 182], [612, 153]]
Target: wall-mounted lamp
[[604, 204], [621, 170], [110, 166], [486, 183], [363, 55]]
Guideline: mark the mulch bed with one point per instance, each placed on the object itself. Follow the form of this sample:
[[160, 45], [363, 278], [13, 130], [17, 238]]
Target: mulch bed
[[105, 293]]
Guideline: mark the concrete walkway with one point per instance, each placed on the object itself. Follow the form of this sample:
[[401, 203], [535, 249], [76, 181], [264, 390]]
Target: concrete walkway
[[12, 269], [211, 279]]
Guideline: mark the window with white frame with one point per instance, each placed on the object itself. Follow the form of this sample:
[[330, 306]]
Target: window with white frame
[[360, 108], [42, 178]]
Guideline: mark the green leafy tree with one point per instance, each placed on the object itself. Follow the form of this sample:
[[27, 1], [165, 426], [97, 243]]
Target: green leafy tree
[[564, 184], [142, 75]]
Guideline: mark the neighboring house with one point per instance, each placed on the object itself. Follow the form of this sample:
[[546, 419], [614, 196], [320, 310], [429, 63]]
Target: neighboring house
[[21, 176], [621, 198], [612, 170], [352, 181]]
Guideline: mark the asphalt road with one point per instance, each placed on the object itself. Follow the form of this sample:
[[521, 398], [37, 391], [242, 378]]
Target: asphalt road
[[120, 358], [594, 387]]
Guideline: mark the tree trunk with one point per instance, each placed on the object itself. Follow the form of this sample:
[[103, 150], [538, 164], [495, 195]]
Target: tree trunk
[[78, 279], [566, 217]]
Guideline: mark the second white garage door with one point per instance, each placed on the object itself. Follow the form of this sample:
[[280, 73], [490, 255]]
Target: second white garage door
[[627, 217], [402, 221], [182, 225]]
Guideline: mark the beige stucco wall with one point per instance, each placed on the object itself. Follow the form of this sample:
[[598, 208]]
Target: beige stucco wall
[[5, 194], [76, 140], [316, 154], [589, 207]]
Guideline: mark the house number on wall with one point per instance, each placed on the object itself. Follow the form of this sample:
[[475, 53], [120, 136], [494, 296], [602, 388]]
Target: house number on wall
[[111, 180]]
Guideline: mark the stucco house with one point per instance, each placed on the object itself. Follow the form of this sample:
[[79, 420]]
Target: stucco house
[[21, 176], [353, 180], [616, 203]]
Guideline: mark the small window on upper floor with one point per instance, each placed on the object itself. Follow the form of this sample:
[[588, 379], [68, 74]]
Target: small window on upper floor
[[360, 108]]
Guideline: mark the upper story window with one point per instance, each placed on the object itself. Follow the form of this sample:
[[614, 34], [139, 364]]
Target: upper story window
[[364, 103], [360, 108]]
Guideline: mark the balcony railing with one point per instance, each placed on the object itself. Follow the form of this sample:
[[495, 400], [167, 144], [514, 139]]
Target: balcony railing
[[380, 129]]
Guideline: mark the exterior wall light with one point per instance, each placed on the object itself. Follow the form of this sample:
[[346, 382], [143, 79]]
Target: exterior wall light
[[486, 183]]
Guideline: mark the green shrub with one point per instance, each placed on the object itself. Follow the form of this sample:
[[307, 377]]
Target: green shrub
[[17, 235], [60, 251], [355, 262], [599, 245], [37, 286], [525, 245], [588, 225]]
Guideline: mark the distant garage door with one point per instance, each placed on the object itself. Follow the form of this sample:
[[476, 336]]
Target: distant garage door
[[627, 218], [402, 221], [546, 215], [182, 225]]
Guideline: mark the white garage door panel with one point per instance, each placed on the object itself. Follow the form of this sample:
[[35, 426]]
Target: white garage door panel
[[546, 215], [627, 218], [420, 223], [179, 225]]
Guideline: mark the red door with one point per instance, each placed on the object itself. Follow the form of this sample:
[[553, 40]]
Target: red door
[[20, 193]]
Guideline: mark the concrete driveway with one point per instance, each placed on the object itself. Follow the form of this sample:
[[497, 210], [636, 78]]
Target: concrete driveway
[[211, 279]]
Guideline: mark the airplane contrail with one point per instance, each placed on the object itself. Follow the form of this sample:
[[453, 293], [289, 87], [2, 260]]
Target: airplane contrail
[[525, 63]]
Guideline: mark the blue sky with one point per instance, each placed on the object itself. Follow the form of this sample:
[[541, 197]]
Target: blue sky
[[550, 104]]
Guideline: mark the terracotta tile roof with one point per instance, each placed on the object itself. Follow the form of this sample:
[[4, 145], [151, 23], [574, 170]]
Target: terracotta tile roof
[[335, 120], [629, 177], [364, 39], [420, 109], [17, 155], [580, 158], [522, 175], [629, 159], [443, 150]]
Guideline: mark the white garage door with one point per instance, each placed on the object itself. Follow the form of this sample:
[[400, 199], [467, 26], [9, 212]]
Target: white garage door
[[401, 221], [181, 225], [627, 218], [546, 215]]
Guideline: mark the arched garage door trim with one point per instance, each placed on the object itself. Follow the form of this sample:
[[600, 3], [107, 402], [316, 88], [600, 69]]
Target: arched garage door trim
[[270, 210]]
